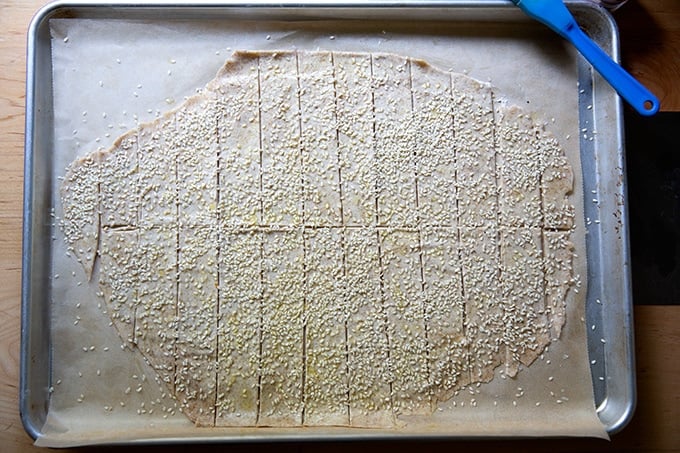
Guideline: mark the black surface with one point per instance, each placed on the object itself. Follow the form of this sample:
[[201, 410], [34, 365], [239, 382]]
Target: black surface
[[653, 172]]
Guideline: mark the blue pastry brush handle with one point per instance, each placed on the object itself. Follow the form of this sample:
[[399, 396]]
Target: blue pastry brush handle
[[555, 15], [639, 97]]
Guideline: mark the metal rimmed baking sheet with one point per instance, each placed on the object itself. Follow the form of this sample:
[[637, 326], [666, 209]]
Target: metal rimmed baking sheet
[[601, 154]]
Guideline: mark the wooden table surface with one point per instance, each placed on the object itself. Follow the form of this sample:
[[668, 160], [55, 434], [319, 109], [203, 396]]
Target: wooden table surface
[[650, 36]]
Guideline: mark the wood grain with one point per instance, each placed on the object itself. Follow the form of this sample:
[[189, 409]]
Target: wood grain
[[650, 32], [650, 47]]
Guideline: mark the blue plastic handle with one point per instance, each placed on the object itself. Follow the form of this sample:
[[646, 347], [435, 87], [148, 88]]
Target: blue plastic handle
[[555, 15]]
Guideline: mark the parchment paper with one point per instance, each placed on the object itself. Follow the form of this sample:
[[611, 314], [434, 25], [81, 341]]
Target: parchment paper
[[110, 75]]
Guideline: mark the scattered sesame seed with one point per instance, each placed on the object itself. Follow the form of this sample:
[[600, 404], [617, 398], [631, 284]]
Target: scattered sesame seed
[[526, 171]]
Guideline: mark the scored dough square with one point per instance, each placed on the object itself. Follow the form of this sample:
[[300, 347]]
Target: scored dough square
[[238, 329], [326, 384], [281, 362]]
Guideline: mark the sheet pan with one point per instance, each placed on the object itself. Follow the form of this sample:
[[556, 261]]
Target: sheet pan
[[608, 303]]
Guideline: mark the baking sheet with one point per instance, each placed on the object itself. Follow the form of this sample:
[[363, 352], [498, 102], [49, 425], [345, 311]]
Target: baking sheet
[[149, 67]]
